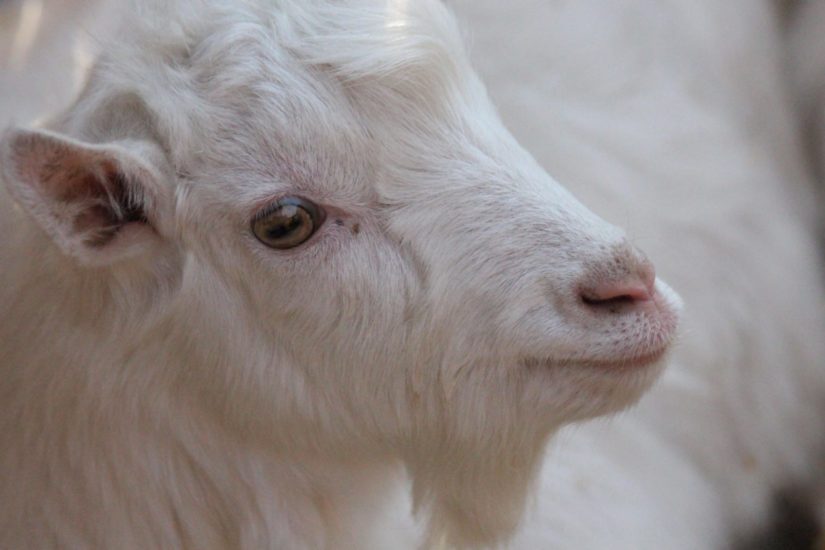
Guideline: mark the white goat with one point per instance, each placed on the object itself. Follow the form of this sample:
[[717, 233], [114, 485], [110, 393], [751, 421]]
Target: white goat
[[672, 117], [276, 250]]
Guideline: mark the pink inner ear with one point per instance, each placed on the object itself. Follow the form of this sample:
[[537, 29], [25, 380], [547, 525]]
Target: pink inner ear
[[106, 202], [93, 200], [94, 194]]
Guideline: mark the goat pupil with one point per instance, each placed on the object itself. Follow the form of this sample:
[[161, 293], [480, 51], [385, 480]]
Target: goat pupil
[[286, 223]]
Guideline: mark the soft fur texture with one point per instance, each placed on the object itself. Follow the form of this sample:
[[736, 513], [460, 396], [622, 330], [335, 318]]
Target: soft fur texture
[[168, 381], [672, 118]]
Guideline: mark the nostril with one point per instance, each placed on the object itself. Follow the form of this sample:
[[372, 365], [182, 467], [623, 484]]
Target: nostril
[[616, 294], [636, 288]]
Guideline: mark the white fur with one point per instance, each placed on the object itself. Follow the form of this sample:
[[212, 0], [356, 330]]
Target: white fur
[[672, 118], [169, 381]]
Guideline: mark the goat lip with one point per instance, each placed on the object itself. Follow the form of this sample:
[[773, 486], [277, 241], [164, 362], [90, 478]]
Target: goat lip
[[630, 362]]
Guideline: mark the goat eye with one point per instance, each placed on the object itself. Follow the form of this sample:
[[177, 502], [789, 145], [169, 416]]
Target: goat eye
[[288, 223]]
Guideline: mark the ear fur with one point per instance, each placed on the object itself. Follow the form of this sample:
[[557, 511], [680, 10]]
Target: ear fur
[[99, 203]]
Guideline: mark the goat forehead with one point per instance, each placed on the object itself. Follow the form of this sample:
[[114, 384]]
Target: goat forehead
[[403, 43], [302, 131], [299, 116], [398, 43], [298, 93]]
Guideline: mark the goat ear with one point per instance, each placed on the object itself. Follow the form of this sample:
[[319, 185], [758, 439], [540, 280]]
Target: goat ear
[[99, 203]]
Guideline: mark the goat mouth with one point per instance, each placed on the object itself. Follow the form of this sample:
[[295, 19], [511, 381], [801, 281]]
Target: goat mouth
[[622, 364]]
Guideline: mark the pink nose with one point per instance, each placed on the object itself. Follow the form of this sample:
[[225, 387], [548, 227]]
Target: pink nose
[[632, 286]]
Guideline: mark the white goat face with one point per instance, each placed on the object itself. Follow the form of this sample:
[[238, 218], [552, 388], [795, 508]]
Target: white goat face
[[427, 286], [447, 267]]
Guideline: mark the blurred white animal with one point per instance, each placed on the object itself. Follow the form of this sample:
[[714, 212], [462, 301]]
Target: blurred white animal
[[275, 251], [805, 65], [672, 118]]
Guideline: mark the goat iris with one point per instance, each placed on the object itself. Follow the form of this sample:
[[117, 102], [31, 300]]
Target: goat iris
[[287, 223]]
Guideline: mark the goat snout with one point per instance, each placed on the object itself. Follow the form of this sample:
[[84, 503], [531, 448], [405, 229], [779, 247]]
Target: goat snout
[[625, 316], [627, 280], [636, 284]]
